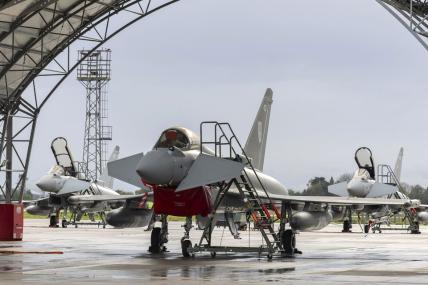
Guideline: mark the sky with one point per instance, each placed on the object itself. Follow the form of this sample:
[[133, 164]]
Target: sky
[[344, 74]]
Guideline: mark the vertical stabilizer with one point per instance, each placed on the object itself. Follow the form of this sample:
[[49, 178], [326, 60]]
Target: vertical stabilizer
[[107, 180], [256, 143], [398, 164]]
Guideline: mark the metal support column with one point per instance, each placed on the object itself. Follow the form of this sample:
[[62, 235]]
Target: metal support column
[[9, 164]]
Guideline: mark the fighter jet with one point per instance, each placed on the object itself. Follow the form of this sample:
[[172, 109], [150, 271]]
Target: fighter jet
[[364, 184], [68, 191], [188, 178]]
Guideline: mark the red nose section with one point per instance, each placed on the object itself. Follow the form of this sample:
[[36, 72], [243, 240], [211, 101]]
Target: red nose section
[[192, 202]]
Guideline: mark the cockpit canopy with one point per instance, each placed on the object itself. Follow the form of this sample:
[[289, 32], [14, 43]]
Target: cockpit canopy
[[364, 160], [362, 173], [180, 138], [57, 170]]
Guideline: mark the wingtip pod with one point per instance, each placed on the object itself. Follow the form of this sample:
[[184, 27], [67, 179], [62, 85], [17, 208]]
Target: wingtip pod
[[413, 203]]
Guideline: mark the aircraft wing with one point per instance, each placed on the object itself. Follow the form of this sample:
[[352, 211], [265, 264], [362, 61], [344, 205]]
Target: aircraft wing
[[345, 201], [38, 202], [76, 199]]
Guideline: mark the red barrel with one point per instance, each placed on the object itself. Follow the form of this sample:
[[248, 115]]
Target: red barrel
[[11, 222]]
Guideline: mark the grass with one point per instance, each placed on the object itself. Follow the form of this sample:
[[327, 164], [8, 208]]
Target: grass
[[29, 216]]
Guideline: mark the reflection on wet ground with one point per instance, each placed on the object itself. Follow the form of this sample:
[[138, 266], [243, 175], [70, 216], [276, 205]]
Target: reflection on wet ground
[[103, 256]]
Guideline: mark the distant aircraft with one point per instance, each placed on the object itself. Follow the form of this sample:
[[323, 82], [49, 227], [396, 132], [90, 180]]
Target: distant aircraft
[[68, 191], [189, 179], [364, 184]]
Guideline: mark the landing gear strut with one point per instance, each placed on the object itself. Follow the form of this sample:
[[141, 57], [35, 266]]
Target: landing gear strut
[[415, 230], [159, 236], [186, 244], [54, 219], [288, 241], [287, 236], [347, 223]]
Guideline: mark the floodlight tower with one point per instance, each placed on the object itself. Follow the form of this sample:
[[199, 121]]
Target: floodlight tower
[[94, 73]]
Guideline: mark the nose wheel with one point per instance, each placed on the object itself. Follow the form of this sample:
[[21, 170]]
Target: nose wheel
[[159, 237], [156, 241], [186, 243], [186, 246]]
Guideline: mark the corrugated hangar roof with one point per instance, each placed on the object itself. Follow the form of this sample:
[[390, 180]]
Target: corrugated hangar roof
[[34, 32]]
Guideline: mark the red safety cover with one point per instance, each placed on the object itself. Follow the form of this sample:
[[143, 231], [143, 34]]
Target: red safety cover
[[196, 201], [11, 221]]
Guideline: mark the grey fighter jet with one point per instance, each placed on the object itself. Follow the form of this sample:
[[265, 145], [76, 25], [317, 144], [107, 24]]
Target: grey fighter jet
[[188, 178], [364, 183], [70, 192]]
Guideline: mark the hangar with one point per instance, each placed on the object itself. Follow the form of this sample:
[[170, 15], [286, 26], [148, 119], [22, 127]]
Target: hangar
[[37, 37]]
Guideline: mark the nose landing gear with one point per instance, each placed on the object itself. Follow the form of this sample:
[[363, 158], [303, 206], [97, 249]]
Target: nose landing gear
[[159, 237], [186, 243]]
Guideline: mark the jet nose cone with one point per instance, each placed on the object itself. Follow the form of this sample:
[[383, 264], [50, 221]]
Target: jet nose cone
[[156, 167], [47, 184], [357, 188]]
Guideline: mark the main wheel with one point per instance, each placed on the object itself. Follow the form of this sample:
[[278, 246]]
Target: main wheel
[[346, 227], [366, 229], [155, 241], [52, 222], [185, 245], [64, 223], [289, 242]]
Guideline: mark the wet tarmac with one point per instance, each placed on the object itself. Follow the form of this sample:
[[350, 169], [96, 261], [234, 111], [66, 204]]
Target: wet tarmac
[[88, 255]]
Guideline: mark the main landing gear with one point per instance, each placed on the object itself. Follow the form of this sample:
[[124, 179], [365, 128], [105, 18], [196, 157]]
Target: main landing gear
[[347, 223], [159, 236], [288, 240], [287, 236]]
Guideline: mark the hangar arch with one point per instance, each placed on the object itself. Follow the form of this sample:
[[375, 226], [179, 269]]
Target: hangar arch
[[36, 40]]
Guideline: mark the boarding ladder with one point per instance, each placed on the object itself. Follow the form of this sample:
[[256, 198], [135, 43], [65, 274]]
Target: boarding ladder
[[386, 175], [222, 140]]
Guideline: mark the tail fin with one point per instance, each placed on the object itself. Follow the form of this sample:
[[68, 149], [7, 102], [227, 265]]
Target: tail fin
[[256, 143], [108, 180], [398, 164]]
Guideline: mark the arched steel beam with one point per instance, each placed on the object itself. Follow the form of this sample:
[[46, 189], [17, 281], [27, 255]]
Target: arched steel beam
[[25, 109], [97, 46], [412, 14], [55, 23]]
